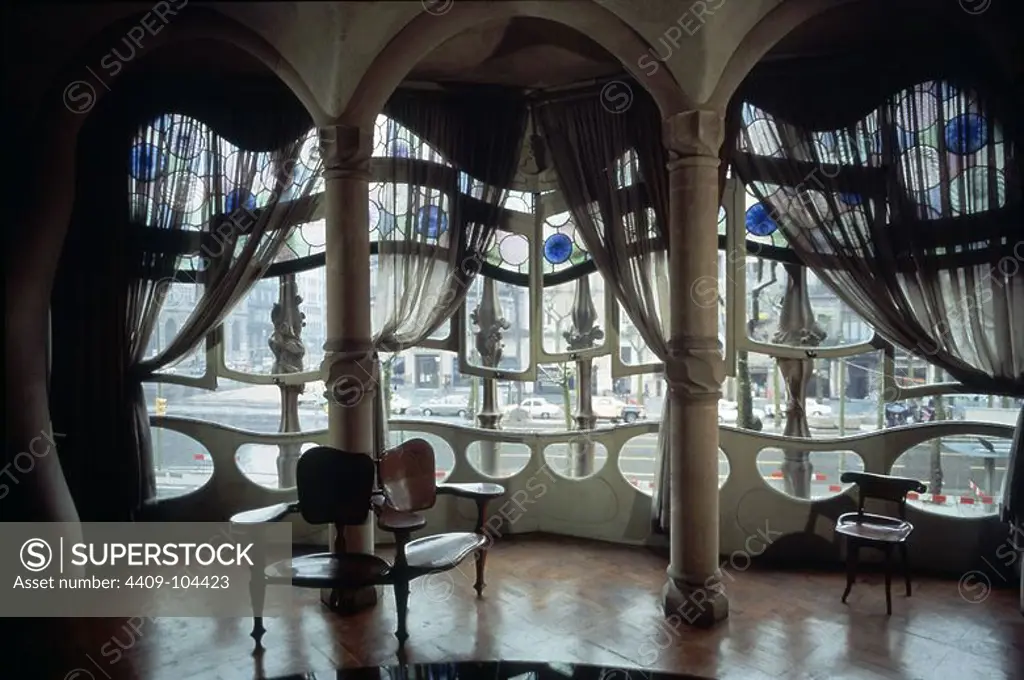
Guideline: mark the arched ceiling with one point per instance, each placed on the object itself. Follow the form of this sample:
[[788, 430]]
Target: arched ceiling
[[330, 45], [519, 52]]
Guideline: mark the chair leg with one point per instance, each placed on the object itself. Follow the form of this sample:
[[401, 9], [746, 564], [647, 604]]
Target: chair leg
[[401, 608], [906, 565], [257, 593], [481, 562], [852, 547], [888, 580]]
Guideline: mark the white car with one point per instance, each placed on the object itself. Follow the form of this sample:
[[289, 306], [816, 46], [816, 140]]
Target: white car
[[728, 412], [616, 410], [537, 407], [813, 408]]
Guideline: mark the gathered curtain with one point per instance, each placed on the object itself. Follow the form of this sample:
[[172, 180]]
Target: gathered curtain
[[612, 170], [208, 216], [449, 158], [911, 213]]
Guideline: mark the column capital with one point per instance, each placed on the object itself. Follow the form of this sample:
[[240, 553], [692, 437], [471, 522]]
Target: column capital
[[695, 368], [346, 151], [692, 135]]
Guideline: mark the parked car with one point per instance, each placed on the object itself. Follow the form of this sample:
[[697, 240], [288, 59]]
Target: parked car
[[451, 405], [728, 412], [537, 407], [616, 410], [813, 408], [399, 404]]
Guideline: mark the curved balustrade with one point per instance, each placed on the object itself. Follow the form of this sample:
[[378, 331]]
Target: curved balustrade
[[605, 505]]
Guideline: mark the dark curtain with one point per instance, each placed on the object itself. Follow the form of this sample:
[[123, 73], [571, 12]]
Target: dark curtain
[[907, 204], [95, 391], [450, 163], [612, 170], [478, 129]]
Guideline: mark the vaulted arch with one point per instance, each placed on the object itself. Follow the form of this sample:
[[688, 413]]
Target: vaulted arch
[[426, 32], [41, 224]]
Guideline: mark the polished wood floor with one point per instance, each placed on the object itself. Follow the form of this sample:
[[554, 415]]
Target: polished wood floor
[[562, 600]]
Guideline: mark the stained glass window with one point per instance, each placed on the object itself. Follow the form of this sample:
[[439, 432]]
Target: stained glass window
[[509, 251], [181, 174], [307, 239], [563, 245], [949, 154], [759, 222], [519, 201], [392, 139]]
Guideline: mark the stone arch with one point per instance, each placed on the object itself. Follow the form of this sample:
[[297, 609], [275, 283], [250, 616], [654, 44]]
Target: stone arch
[[426, 32], [41, 227], [772, 28]]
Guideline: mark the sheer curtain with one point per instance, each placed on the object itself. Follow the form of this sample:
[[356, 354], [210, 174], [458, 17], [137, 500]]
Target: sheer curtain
[[449, 160], [911, 213], [207, 213], [611, 169]]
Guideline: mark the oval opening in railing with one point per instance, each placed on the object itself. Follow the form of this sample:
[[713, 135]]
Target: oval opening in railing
[[498, 460], [807, 475], [638, 461], [271, 466], [182, 464], [444, 455], [578, 458], [963, 473]]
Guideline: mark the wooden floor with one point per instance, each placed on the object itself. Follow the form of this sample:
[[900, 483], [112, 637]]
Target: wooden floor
[[562, 600]]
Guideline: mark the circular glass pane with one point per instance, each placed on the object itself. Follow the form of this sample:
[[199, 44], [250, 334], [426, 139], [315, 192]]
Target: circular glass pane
[[239, 199], [920, 167], [146, 162], [966, 134], [431, 221], [557, 248], [759, 221], [514, 249]]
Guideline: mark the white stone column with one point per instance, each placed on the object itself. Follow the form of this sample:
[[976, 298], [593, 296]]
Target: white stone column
[[695, 369], [348, 369]]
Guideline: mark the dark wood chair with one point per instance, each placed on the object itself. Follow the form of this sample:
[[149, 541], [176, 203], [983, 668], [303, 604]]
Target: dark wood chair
[[863, 529], [336, 487]]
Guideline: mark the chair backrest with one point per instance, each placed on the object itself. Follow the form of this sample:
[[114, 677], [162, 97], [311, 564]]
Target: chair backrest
[[882, 487], [334, 486], [407, 476]]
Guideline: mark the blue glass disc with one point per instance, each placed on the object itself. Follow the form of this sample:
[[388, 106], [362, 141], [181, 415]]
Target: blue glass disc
[[557, 248], [431, 221], [966, 134], [239, 198], [759, 221], [146, 162]]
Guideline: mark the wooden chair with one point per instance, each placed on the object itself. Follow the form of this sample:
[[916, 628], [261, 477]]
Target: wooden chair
[[863, 529], [336, 487]]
